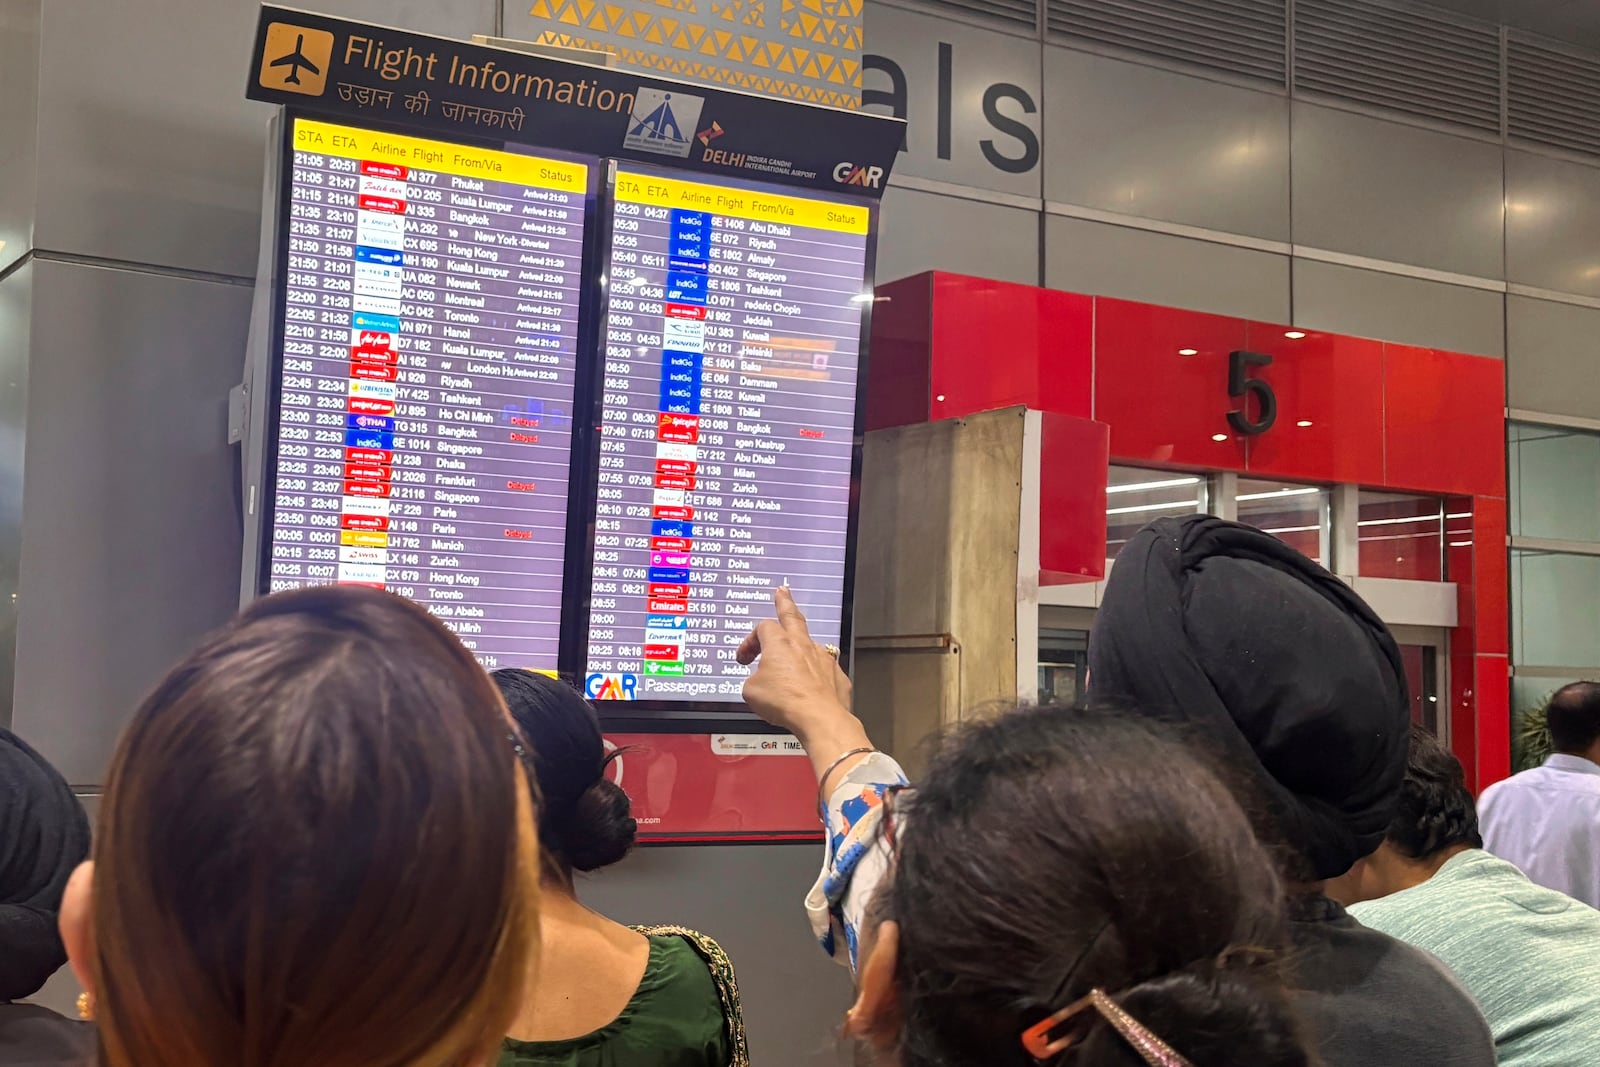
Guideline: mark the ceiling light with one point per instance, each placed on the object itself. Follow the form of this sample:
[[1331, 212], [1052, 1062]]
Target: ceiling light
[[940, 398], [1140, 487], [862, 298], [1278, 493], [1219, 437], [1171, 505], [1459, 515], [1294, 335], [1292, 529], [1303, 423], [1401, 519], [1460, 544], [1188, 351]]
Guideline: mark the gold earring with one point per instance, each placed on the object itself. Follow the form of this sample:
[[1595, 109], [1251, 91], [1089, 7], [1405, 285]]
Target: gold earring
[[86, 1005]]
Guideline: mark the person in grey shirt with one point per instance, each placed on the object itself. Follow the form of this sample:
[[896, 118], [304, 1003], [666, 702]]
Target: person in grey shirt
[[1526, 953], [1546, 820], [1251, 651]]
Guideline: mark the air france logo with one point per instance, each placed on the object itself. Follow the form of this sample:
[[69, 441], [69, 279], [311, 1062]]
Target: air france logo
[[659, 122], [856, 174]]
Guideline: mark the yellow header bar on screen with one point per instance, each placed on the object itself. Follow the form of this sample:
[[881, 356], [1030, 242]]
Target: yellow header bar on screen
[[741, 203], [442, 156]]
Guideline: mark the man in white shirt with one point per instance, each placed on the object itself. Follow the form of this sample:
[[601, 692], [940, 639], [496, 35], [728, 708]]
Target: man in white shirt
[[1547, 820]]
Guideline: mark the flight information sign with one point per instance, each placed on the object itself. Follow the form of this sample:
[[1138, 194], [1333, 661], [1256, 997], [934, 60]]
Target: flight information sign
[[423, 425], [732, 341]]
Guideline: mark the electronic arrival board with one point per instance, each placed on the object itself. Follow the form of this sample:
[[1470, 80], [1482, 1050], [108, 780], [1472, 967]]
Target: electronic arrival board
[[732, 339], [425, 393]]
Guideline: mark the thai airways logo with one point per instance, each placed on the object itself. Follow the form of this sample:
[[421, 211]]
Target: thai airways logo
[[659, 120], [858, 174]]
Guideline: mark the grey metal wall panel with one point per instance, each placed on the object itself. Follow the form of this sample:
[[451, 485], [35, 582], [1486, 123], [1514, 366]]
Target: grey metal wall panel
[[153, 156], [1552, 223], [1161, 145], [19, 100], [749, 898], [1396, 192], [130, 535], [16, 314], [1092, 257], [972, 98], [1552, 355], [1390, 307], [926, 231]]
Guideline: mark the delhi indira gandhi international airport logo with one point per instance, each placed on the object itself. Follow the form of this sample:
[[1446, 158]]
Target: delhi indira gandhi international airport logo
[[663, 122]]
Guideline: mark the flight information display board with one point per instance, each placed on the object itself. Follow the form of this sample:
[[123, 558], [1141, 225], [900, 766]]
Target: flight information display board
[[732, 342], [424, 398]]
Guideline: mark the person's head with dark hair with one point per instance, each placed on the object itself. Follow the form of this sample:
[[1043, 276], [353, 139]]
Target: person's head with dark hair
[[585, 819], [1573, 715], [44, 835], [1275, 664], [1049, 856], [316, 848], [644, 995], [1436, 820]]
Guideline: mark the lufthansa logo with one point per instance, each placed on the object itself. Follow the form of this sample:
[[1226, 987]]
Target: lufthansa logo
[[853, 174]]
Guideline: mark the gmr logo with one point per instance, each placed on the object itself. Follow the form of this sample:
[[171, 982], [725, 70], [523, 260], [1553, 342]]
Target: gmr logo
[[611, 686], [850, 174]]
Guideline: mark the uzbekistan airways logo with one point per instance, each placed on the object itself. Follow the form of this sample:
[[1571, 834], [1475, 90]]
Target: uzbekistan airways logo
[[295, 59], [853, 174], [658, 121]]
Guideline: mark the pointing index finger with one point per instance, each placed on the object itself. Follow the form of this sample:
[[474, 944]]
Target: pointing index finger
[[789, 614]]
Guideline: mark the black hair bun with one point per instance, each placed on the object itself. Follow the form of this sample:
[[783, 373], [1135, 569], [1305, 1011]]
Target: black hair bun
[[601, 829], [1212, 1017]]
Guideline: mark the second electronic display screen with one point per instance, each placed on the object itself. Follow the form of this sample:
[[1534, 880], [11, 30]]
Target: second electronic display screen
[[732, 349]]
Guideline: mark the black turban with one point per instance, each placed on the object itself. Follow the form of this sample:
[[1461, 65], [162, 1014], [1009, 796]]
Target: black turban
[[44, 835], [1280, 665]]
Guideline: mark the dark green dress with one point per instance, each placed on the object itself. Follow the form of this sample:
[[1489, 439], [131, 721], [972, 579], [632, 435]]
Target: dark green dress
[[685, 1013]]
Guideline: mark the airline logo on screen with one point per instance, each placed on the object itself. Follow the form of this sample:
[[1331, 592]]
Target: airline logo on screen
[[612, 686], [296, 59], [663, 122]]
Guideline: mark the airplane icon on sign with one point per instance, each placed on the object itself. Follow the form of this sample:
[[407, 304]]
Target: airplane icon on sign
[[296, 61]]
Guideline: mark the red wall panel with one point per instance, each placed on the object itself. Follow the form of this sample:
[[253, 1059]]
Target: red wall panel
[[1165, 407], [997, 345], [1444, 421], [1072, 508], [898, 358], [1330, 409]]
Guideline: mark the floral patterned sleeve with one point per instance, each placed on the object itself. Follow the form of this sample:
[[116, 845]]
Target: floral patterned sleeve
[[857, 856]]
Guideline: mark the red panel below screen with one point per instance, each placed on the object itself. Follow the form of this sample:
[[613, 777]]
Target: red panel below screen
[[1444, 416], [1330, 406], [681, 785], [1164, 407]]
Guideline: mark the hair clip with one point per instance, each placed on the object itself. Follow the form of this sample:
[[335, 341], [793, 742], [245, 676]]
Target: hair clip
[[1041, 1046]]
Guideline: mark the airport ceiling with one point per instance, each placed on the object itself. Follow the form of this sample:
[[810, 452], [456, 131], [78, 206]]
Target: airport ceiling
[[1574, 21]]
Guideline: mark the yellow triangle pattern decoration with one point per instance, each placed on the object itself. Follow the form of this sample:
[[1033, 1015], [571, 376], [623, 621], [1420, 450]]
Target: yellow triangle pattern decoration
[[698, 40]]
